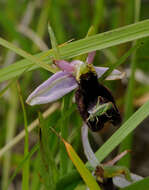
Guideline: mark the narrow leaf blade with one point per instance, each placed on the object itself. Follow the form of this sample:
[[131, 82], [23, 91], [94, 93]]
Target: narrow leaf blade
[[84, 172], [83, 46], [123, 131]]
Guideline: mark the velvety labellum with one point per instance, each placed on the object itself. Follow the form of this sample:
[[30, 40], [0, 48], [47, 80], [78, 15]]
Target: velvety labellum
[[95, 102]]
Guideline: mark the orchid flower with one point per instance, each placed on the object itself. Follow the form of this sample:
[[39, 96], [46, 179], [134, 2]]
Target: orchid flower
[[66, 80]]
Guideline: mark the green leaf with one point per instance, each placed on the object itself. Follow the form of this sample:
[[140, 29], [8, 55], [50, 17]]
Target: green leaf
[[20, 165], [92, 43], [6, 87], [107, 39], [48, 167], [90, 32], [129, 108], [25, 170], [26, 55], [84, 172], [119, 62], [53, 43], [68, 179], [64, 131]]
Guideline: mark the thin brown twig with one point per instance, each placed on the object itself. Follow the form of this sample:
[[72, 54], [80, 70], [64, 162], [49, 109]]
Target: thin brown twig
[[117, 158]]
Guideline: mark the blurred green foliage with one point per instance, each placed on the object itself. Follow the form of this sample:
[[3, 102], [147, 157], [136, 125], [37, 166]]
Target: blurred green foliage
[[26, 22]]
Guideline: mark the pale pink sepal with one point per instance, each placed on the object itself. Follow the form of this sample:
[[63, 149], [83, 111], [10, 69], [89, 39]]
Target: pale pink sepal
[[90, 57], [115, 75], [54, 88]]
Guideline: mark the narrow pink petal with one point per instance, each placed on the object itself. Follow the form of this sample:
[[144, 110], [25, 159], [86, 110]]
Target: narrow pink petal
[[115, 75], [54, 88], [64, 65], [90, 57]]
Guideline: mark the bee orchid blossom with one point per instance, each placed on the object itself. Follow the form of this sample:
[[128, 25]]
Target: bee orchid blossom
[[66, 80]]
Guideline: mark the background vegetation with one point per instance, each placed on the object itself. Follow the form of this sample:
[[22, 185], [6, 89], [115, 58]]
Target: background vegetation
[[24, 24]]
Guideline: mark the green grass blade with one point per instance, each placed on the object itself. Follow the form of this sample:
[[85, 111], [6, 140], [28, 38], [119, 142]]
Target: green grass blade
[[25, 181], [9, 85], [129, 109], [119, 62], [6, 87], [64, 133], [123, 131], [10, 126], [68, 179], [28, 156], [99, 9], [56, 16], [90, 32], [26, 55], [107, 39], [53, 43], [84, 172], [92, 43], [42, 22], [49, 170], [35, 183]]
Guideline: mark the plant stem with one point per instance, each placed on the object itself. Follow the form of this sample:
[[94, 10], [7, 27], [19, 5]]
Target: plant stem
[[25, 182]]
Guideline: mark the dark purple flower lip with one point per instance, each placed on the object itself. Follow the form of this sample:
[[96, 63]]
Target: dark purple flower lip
[[65, 81], [95, 103]]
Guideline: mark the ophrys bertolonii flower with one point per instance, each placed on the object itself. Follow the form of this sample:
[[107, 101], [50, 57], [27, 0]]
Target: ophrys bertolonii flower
[[95, 102]]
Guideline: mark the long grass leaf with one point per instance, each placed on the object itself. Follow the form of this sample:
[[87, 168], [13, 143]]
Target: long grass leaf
[[84, 172], [6, 87], [64, 133], [92, 43], [20, 165], [10, 125], [26, 55], [119, 62], [47, 160], [53, 43], [25, 173], [129, 109]]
